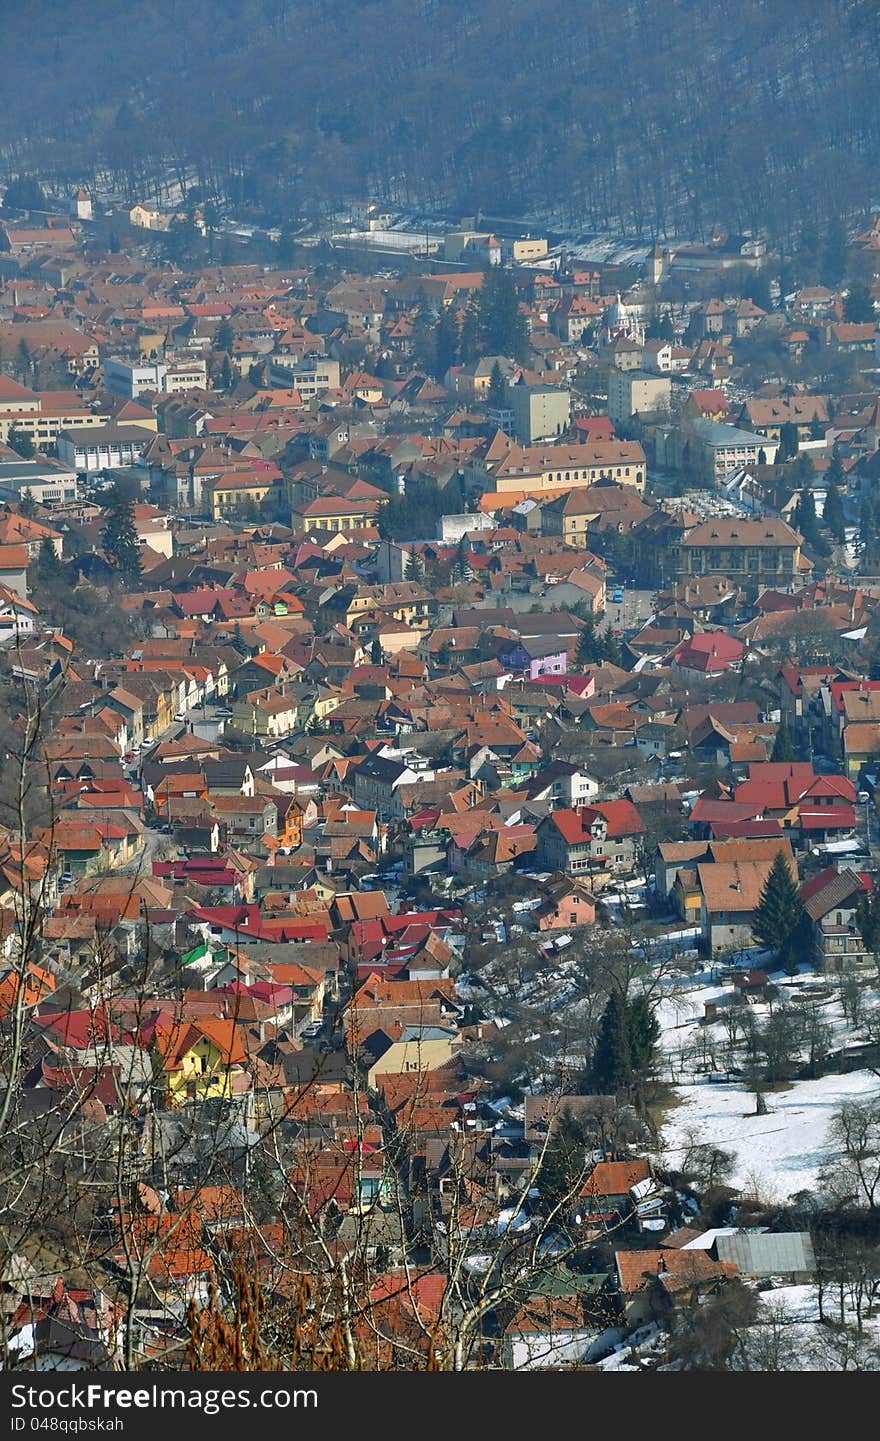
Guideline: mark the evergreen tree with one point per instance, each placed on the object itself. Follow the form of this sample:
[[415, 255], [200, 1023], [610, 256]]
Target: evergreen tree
[[817, 429], [285, 252], [415, 567], [227, 379], [502, 330], [21, 442], [779, 917], [423, 344], [643, 1032], [832, 515], [612, 1062], [788, 441], [120, 540], [589, 651], [868, 920], [762, 456], [376, 655], [445, 341], [27, 505], [497, 387], [858, 307], [783, 750], [23, 363], [468, 338], [834, 255], [611, 648], [224, 336], [805, 517], [564, 1160], [49, 567]]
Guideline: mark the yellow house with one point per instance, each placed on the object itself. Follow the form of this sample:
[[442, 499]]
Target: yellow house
[[147, 217], [237, 493], [200, 1059], [420, 1048], [333, 513], [326, 704]]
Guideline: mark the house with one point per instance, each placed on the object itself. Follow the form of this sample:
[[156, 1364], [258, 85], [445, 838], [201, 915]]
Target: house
[[377, 782], [557, 1330], [567, 904], [651, 1283], [199, 1059], [418, 1048], [717, 448], [607, 1196], [831, 900], [759, 554], [592, 839], [730, 892], [709, 653], [758, 1254]]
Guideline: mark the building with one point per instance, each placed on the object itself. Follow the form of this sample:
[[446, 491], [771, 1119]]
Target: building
[[109, 447], [311, 376], [45, 480], [147, 217], [538, 412], [129, 379], [634, 392], [715, 449], [537, 469], [760, 554], [766, 417], [591, 839]]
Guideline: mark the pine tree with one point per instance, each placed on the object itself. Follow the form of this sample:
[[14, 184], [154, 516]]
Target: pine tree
[[502, 329], [788, 441], [611, 648], [832, 515], [21, 442], [783, 750], [27, 505], [779, 916], [805, 517], [643, 1033], [415, 567], [224, 336], [497, 388], [48, 565], [564, 1160], [376, 655], [858, 307], [589, 651], [468, 339], [445, 341], [121, 544], [612, 1062]]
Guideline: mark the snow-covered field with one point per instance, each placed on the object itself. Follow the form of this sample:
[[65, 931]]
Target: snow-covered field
[[775, 1155]]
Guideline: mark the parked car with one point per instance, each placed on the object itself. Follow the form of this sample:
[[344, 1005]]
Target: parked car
[[617, 595]]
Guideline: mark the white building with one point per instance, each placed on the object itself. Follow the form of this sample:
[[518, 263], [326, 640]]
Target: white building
[[108, 447]]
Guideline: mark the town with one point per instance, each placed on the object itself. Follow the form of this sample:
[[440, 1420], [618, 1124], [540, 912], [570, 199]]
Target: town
[[440, 740]]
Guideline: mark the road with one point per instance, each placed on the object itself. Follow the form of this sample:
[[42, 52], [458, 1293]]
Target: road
[[635, 609]]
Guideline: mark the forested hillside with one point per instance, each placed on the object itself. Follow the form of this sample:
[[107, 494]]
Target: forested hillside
[[649, 115]]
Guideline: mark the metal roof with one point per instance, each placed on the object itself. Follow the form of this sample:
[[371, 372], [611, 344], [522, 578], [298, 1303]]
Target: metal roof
[[768, 1254]]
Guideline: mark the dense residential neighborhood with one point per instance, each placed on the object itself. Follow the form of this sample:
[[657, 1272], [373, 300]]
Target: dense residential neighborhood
[[439, 849]]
